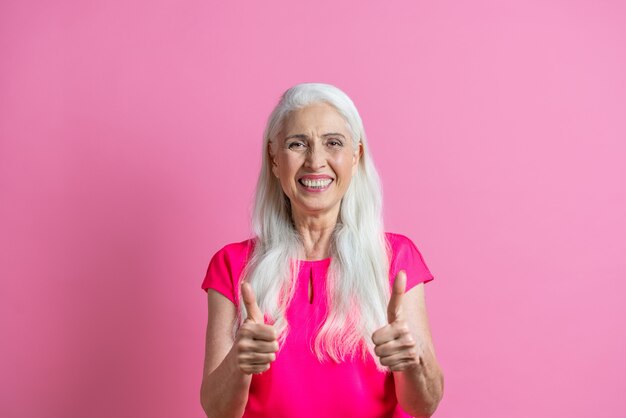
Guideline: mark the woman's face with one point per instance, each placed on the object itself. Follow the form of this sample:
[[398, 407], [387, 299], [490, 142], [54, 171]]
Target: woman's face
[[314, 160]]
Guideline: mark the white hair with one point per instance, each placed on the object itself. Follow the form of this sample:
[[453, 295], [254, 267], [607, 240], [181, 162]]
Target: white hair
[[358, 275]]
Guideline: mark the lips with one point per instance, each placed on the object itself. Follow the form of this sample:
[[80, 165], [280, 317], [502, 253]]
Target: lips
[[315, 182]]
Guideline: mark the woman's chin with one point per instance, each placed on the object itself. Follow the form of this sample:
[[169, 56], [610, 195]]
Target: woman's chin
[[315, 209]]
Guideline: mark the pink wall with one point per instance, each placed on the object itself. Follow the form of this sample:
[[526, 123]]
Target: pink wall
[[129, 148]]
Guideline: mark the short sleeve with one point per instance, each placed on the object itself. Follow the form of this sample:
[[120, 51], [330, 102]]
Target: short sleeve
[[225, 268], [405, 256]]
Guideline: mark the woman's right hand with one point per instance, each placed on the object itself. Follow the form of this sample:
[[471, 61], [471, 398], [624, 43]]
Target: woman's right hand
[[256, 343]]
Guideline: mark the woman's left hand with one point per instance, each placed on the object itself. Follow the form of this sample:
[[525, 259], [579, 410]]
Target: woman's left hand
[[395, 344]]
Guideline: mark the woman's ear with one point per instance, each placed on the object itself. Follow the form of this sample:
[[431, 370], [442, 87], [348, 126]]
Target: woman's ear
[[358, 153], [272, 158]]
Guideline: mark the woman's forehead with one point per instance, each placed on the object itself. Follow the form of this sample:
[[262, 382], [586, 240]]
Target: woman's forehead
[[318, 118]]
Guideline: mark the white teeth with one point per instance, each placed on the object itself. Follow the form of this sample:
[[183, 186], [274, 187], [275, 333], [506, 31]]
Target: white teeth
[[316, 184]]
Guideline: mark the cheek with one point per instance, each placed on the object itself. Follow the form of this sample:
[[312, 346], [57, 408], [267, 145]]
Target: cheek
[[286, 170], [345, 165]]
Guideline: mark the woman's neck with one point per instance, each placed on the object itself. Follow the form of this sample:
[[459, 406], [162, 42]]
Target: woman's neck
[[316, 233]]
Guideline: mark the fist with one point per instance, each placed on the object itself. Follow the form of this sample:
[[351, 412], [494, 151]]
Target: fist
[[256, 343], [394, 344]]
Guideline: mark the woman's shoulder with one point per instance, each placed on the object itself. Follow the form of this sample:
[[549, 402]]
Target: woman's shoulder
[[234, 255], [226, 267], [237, 250], [398, 241], [404, 255]]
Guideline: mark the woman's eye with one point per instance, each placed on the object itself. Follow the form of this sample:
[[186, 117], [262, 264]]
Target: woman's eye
[[335, 143], [295, 145]]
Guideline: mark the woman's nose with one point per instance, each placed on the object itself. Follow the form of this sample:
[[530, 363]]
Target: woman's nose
[[315, 158]]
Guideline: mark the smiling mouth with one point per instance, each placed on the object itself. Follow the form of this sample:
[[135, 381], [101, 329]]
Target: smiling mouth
[[315, 184]]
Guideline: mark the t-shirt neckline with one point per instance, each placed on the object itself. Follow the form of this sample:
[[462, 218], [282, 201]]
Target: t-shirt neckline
[[321, 261]]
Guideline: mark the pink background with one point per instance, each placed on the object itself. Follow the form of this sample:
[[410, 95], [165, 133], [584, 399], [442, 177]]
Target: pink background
[[130, 143]]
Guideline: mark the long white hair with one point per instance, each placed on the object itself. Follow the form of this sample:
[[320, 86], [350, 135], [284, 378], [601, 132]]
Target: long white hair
[[358, 281]]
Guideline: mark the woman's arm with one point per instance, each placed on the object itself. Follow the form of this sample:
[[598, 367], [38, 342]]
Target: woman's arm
[[405, 346], [229, 364], [419, 387], [224, 390]]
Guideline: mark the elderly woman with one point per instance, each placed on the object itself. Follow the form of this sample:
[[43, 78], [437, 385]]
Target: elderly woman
[[322, 314]]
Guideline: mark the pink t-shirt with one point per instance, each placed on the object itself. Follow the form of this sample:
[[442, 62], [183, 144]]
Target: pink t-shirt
[[297, 384]]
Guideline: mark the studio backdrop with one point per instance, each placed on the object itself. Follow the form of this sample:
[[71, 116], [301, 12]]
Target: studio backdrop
[[130, 145]]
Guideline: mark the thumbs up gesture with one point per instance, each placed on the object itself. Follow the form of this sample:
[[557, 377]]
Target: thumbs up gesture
[[256, 343], [394, 343]]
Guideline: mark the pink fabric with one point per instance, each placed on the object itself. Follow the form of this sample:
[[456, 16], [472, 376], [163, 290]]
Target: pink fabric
[[297, 384]]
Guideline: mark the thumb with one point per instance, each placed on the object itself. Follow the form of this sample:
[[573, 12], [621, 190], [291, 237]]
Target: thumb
[[249, 300], [397, 292]]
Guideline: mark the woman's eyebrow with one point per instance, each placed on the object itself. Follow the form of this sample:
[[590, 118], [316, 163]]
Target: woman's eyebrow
[[297, 136], [334, 134], [305, 136]]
